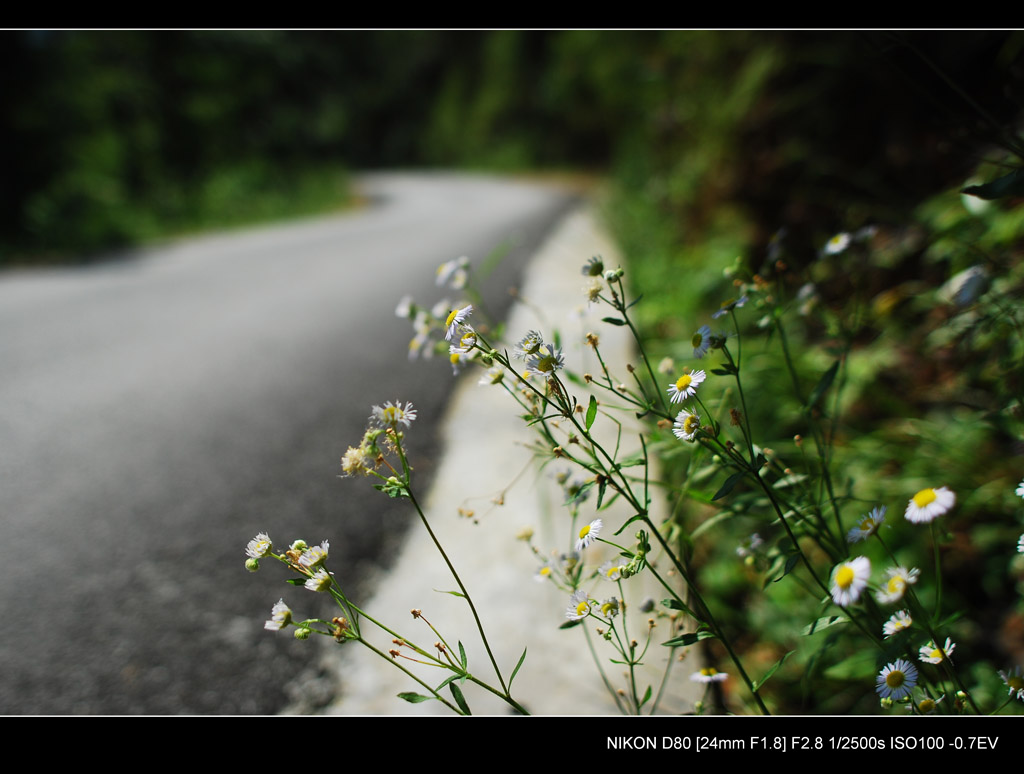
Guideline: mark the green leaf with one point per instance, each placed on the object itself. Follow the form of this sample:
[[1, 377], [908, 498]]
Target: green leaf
[[462, 655], [675, 604], [635, 301], [570, 624], [414, 698], [453, 593], [728, 486], [772, 670], [1007, 185], [459, 698], [688, 639], [515, 671], [613, 321], [718, 517], [824, 623], [631, 520], [296, 581], [647, 696], [591, 411], [602, 485], [725, 370], [446, 681], [823, 384]]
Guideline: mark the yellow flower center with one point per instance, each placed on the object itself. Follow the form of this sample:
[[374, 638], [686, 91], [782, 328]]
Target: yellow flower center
[[924, 497], [684, 382], [1016, 682], [895, 679], [926, 706], [697, 340], [454, 358], [895, 584], [613, 570], [584, 532], [936, 653], [844, 578], [709, 671], [451, 317], [867, 524], [582, 608], [691, 424], [545, 571]]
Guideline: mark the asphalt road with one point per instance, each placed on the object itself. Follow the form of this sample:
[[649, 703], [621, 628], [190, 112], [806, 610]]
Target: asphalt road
[[159, 409]]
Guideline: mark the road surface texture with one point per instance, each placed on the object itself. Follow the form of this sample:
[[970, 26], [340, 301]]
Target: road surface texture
[[158, 410]]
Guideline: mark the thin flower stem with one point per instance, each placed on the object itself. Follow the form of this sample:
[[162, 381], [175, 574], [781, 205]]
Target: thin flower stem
[[624, 709], [395, 663]]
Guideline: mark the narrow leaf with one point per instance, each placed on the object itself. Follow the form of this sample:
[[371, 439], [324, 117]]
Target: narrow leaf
[[459, 698], [823, 384], [728, 486], [1007, 185], [824, 623], [647, 696], [591, 411], [772, 670], [515, 671], [613, 320], [631, 520], [600, 491], [462, 655], [688, 639], [453, 593], [414, 698]]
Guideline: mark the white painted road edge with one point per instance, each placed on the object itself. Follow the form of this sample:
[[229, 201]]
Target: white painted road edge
[[484, 457]]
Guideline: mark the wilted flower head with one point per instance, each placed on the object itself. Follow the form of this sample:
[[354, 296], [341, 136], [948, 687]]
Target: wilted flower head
[[546, 360], [494, 375], [528, 345], [593, 268], [314, 555], [358, 461]]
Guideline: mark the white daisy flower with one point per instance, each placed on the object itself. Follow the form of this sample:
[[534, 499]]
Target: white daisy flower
[[454, 271], [899, 578], [728, 306], [686, 425], [259, 546], [897, 623], [320, 581], [708, 675], [543, 573], [493, 376], [393, 414], [610, 607], [929, 504], [931, 654], [837, 244], [580, 607], [546, 360], [686, 386], [701, 341], [611, 570], [466, 341], [1014, 681], [867, 526], [455, 318], [314, 555], [528, 345], [280, 617], [928, 705], [589, 534], [849, 579], [897, 680]]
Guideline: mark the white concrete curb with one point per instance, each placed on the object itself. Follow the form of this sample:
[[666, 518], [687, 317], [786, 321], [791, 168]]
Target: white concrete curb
[[485, 457]]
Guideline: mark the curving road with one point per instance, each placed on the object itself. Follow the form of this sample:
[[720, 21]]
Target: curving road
[[160, 409]]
